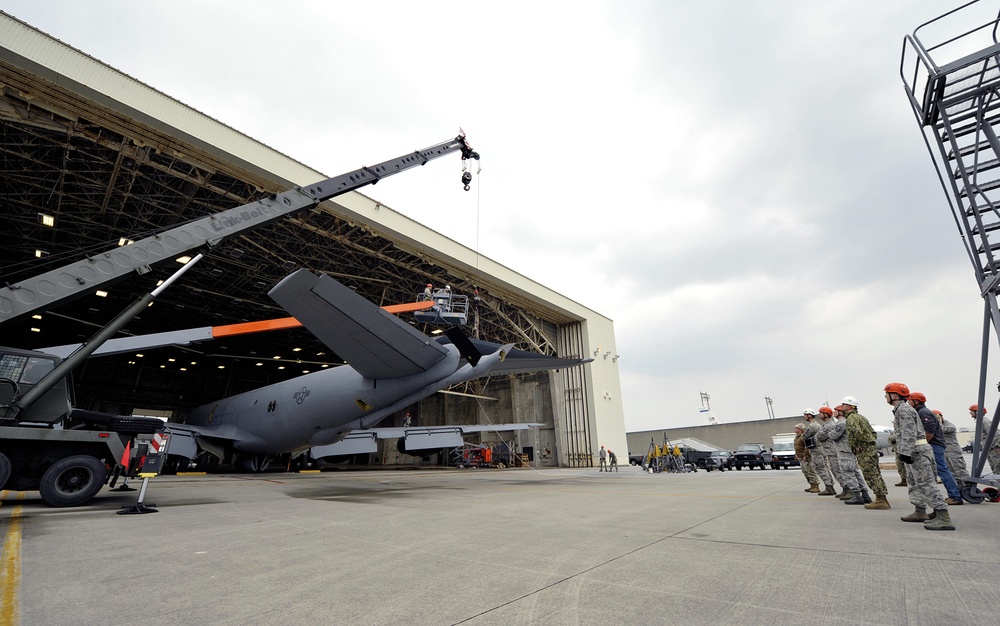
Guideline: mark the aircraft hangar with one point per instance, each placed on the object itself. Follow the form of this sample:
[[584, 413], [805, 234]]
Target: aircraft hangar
[[93, 158]]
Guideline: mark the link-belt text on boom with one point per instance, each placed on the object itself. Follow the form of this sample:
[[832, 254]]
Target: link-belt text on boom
[[233, 220]]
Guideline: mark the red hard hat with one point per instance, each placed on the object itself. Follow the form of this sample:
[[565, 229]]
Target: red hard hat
[[919, 397], [826, 409], [975, 407], [936, 412], [898, 388]]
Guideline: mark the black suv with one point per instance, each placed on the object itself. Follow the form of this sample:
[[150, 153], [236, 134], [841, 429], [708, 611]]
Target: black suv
[[752, 455]]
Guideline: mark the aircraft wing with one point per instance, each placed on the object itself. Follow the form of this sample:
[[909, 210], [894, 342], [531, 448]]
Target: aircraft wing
[[414, 438], [376, 344]]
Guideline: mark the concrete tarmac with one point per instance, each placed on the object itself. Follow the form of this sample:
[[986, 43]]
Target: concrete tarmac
[[513, 546]]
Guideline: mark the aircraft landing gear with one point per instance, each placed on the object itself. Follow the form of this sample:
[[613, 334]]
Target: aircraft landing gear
[[254, 462]]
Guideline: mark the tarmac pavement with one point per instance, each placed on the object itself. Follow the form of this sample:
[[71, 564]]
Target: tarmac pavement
[[513, 546]]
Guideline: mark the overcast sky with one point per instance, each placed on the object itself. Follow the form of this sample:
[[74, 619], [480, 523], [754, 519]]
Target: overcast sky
[[740, 186]]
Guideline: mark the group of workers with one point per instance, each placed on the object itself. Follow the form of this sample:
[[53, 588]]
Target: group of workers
[[838, 445], [609, 460]]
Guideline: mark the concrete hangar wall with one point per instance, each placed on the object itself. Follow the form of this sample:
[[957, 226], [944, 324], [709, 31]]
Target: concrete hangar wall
[[724, 436], [61, 108]]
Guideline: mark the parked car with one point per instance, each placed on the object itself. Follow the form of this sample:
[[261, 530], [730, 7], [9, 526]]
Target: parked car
[[719, 459]]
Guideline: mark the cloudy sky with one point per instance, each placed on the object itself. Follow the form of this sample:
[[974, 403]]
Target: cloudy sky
[[740, 186]]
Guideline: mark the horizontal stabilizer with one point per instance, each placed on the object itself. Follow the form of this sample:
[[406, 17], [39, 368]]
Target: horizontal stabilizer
[[517, 361]]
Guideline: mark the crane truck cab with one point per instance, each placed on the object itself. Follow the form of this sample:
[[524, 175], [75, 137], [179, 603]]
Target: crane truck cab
[[66, 454]]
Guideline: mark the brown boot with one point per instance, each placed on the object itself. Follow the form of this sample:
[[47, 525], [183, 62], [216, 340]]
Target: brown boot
[[919, 515], [845, 495], [953, 502], [827, 491], [901, 483], [813, 488], [880, 504]]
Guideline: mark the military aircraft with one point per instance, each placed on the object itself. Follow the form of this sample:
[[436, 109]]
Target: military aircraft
[[390, 365], [882, 434]]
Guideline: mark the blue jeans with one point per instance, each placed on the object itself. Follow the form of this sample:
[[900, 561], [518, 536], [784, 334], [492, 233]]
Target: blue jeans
[[945, 474]]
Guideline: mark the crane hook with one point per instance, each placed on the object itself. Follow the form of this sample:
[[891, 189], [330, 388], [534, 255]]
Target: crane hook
[[466, 179]]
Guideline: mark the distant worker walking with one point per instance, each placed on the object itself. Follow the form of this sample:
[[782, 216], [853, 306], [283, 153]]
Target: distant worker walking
[[604, 459]]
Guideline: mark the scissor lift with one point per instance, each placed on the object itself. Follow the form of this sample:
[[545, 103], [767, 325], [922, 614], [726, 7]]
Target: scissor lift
[[950, 68]]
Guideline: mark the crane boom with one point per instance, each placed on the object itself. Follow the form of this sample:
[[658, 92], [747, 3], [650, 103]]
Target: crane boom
[[48, 289]]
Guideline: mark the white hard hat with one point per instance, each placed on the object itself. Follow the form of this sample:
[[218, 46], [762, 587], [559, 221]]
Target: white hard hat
[[809, 412], [850, 400]]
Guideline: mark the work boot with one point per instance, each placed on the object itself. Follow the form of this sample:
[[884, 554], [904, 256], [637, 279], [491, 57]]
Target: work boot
[[953, 502], [880, 504], [845, 494], [827, 491], [867, 497], [901, 483], [919, 515], [813, 488], [856, 498], [941, 521]]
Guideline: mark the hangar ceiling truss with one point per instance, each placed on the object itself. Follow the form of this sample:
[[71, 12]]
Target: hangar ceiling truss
[[103, 183]]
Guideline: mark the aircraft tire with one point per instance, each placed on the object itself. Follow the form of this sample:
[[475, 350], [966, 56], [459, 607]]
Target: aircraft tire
[[72, 481], [4, 469]]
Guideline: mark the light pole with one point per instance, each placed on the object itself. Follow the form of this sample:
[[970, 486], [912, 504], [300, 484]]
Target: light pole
[[770, 407]]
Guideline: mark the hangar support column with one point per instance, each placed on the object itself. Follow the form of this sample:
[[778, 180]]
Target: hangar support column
[[573, 416]]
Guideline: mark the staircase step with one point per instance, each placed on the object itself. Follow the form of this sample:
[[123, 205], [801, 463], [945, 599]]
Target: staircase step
[[987, 228]]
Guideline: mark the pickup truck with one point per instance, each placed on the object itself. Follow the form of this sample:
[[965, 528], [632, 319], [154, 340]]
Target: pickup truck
[[751, 455]]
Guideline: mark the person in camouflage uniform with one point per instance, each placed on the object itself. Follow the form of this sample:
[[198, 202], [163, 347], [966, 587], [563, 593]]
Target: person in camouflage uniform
[[935, 436], [953, 450], [829, 451], [816, 453], [804, 456], [861, 437], [992, 452], [849, 471], [916, 452]]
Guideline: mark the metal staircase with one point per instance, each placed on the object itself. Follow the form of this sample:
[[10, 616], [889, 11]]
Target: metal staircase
[[950, 68]]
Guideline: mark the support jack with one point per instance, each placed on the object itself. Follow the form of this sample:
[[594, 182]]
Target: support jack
[[139, 507]]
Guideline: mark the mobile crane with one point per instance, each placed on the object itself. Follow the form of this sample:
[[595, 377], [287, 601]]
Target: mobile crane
[[66, 453]]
